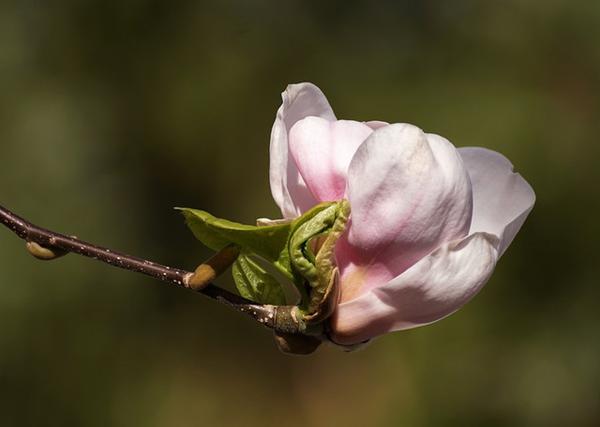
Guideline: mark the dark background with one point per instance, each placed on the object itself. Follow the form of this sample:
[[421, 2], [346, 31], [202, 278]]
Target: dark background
[[113, 112]]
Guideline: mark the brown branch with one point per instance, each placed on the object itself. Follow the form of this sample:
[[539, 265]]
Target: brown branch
[[45, 244]]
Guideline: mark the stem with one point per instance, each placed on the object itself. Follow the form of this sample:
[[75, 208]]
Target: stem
[[50, 245]]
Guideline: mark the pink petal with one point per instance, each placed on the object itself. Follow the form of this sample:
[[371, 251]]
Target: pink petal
[[376, 124], [502, 199], [287, 186], [409, 194], [430, 290], [323, 150]]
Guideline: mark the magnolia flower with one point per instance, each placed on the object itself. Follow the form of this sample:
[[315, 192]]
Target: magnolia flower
[[428, 221]]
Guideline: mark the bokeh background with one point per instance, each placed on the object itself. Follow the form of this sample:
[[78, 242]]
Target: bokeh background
[[113, 112]]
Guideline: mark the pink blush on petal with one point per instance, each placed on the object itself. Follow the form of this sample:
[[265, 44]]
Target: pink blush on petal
[[323, 150], [359, 273]]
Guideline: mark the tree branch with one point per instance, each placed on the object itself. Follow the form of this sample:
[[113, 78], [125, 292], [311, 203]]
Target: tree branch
[[45, 244]]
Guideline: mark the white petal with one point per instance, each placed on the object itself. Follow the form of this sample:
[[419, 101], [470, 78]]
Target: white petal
[[409, 194], [430, 290], [502, 199], [287, 186]]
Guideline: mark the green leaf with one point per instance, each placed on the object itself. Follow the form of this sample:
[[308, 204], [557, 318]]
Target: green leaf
[[266, 241], [269, 242], [309, 228], [255, 284], [285, 245]]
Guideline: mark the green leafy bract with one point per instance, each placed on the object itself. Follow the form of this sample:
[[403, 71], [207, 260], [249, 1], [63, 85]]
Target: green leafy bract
[[288, 246], [254, 283], [268, 242]]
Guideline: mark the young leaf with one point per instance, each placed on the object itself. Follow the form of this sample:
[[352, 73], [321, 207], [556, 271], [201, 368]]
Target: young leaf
[[255, 284], [310, 227], [270, 242], [266, 241]]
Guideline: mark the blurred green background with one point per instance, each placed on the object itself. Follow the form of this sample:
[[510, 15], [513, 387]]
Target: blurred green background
[[113, 112]]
